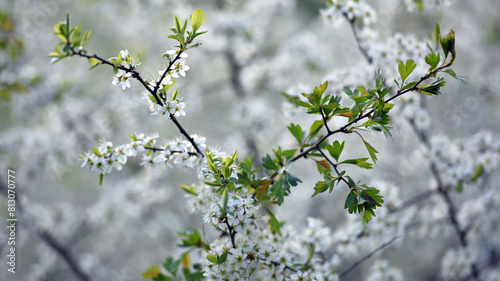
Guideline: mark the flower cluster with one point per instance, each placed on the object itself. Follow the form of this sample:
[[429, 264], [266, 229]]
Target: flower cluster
[[178, 152], [262, 254], [460, 161], [170, 107], [121, 78], [401, 47], [241, 209], [350, 9], [103, 158], [181, 153], [380, 270], [180, 65]]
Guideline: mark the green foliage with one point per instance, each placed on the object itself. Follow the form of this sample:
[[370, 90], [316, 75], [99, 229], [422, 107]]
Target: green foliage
[[181, 266], [363, 199], [335, 149], [197, 18], [277, 167], [406, 69], [72, 40], [192, 238]]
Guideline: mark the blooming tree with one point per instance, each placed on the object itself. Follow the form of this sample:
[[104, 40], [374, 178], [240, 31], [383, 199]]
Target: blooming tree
[[239, 198]]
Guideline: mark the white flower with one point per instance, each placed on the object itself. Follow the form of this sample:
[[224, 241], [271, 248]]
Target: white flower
[[121, 79], [179, 109]]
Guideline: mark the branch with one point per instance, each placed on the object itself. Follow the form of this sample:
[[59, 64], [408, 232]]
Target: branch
[[335, 168], [344, 129], [443, 191], [425, 140], [359, 42], [241, 93], [153, 92], [230, 231], [413, 200], [345, 272], [63, 252]]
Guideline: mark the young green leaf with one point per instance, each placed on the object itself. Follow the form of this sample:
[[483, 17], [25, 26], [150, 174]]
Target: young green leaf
[[462, 79], [406, 69], [213, 259], [197, 19], [320, 187], [336, 149], [360, 162], [274, 223], [351, 202], [189, 189], [297, 132], [151, 273]]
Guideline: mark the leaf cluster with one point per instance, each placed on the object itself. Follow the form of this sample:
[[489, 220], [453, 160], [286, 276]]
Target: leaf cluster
[[72, 38], [197, 18]]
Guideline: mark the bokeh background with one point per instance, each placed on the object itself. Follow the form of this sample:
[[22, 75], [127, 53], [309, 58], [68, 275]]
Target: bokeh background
[[253, 51]]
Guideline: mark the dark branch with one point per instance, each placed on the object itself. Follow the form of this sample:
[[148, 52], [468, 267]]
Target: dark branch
[[153, 92], [63, 252], [345, 272]]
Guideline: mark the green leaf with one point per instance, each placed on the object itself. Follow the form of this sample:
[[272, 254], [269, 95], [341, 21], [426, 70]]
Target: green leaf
[[320, 187], [462, 79], [197, 19], [477, 173], [434, 88], [406, 69], [191, 238], [420, 5], [371, 150], [225, 198], [379, 79], [172, 265], [222, 258], [96, 151], [436, 33], [189, 189], [268, 163], [323, 166], [280, 189], [177, 24], [448, 44], [77, 37], [350, 200], [151, 273], [367, 215], [360, 162], [94, 62], [101, 178], [336, 149], [460, 185], [297, 132], [274, 223], [213, 259], [433, 59], [86, 37], [315, 127]]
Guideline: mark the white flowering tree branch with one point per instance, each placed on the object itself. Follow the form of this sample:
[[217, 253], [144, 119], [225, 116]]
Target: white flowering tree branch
[[230, 194], [424, 138]]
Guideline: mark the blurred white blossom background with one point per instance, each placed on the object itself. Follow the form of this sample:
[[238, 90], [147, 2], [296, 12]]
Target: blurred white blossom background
[[253, 51]]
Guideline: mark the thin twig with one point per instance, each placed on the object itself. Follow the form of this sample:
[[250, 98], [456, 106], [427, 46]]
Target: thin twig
[[335, 168], [361, 45], [345, 272], [153, 91]]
